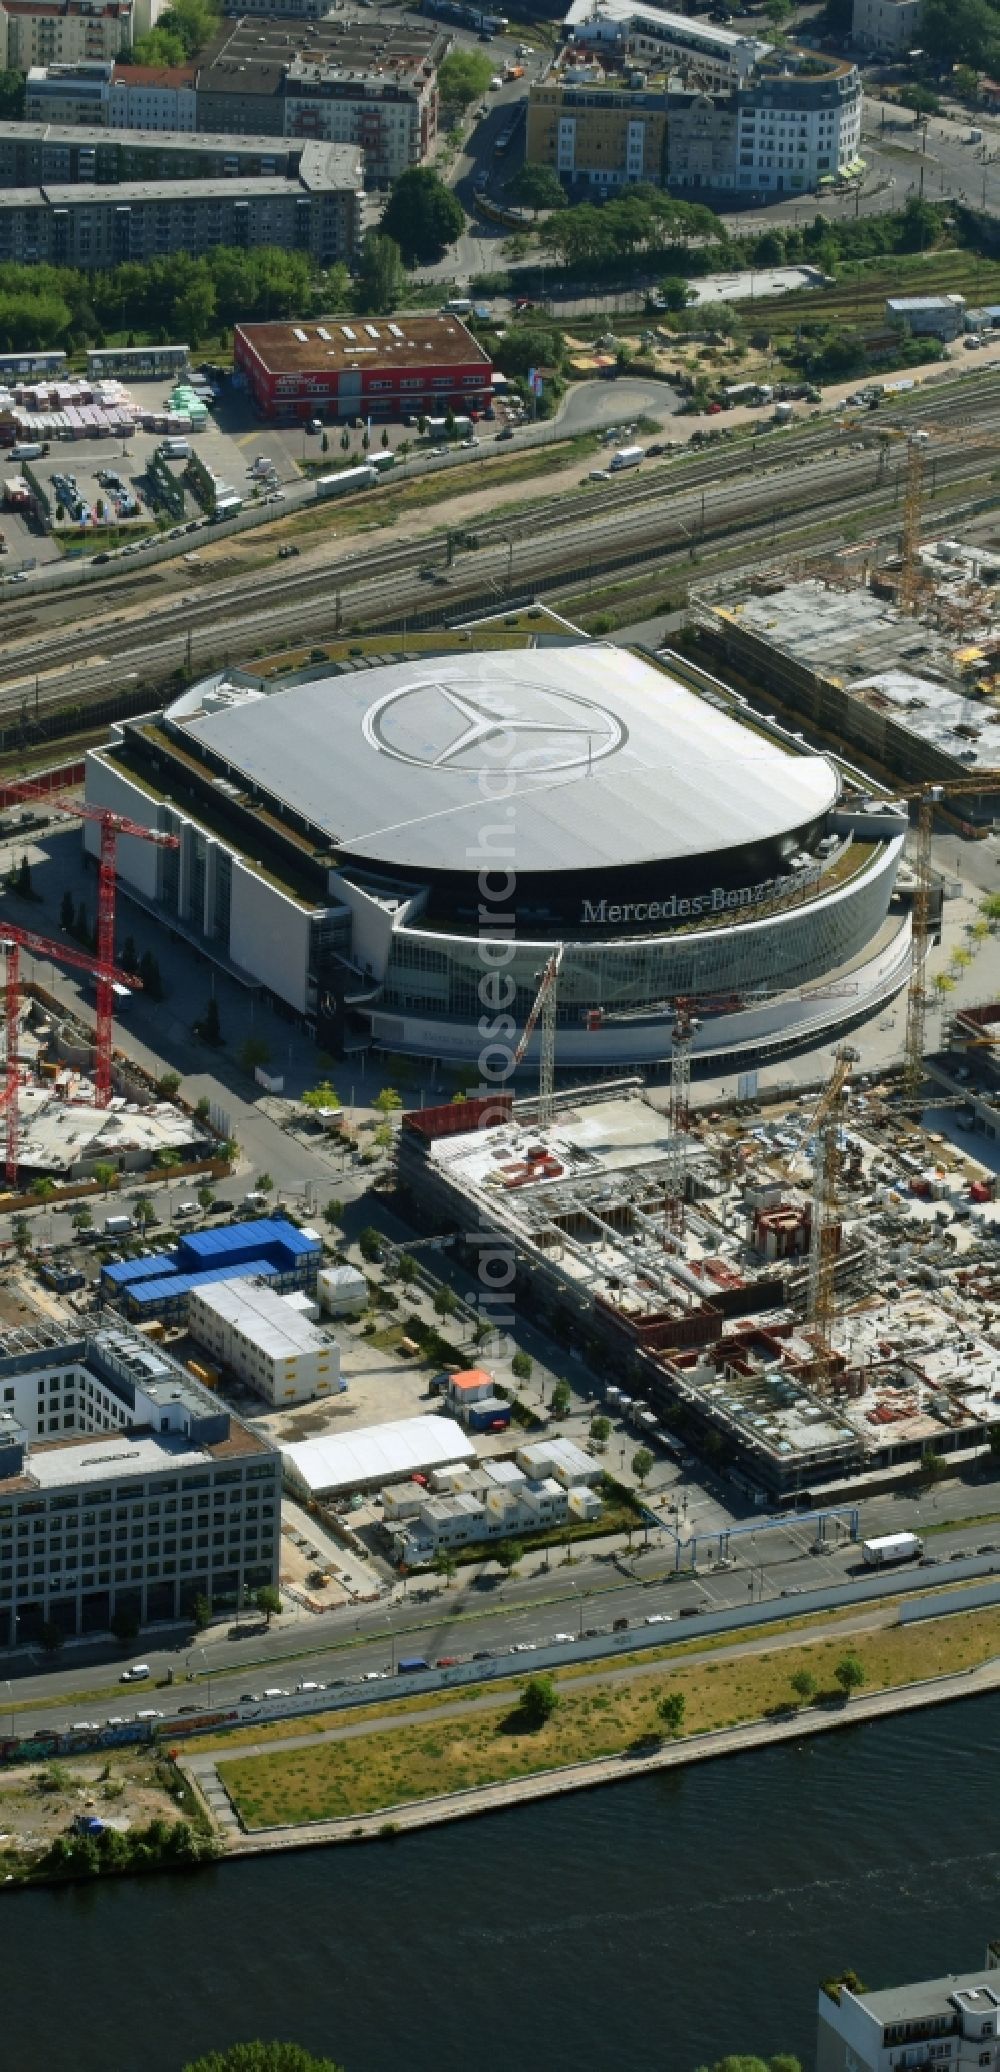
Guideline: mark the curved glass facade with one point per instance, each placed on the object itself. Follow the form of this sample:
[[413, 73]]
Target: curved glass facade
[[436, 976]]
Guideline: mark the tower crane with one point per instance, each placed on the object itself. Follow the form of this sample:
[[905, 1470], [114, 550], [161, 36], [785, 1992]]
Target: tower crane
[[111, 825], [12, 942], [822, 1232], [544, 1005]]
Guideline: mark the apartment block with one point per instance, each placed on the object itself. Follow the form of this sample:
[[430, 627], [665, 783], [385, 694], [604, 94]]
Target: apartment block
[[266, 1340], [891, 27], [125, 1487], [37, 154], [110, 96], [950, 2024], [316, 211], [339, 81], [609, 135], [45, 32]]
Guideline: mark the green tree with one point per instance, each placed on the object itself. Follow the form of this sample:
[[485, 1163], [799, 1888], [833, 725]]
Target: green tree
[[149, 973], [777, 12], [521, 1366], [254, 1051], [932, 1468], [388, 1101], [671, 1711], [43, 1188], [21, 1234], [210, 1026], [538, 187], [322, 1096], [463, 76], [268, 1601], [423, 216], [444, 1564], [600, 1429], [537, 1702], [262, 2057], [265, 1184], [381, 275], [445, 1300], [82, 1219], [206, 1196], [510, 1554], [850, 1675], [105, 1174], [333, 1214], [167, 1159], [804, 1685], [168, 1084], [561, 1398], [370, 1243], [642, 1462], [11, 96], [201, 1613], [203, 1108], [144, 1210], [196, 311]]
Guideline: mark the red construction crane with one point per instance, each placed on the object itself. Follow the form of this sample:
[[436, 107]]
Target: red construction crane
[[111, 825], [12, 942]]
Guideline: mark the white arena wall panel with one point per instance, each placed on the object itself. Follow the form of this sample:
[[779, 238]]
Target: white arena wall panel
[[269, 935]]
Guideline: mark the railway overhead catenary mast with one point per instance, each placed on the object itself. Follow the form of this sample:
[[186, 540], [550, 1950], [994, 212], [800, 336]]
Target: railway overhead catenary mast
[[12, 942], [111, 825]]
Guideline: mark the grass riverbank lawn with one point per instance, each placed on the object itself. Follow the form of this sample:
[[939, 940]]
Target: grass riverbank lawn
[[427, 1758]]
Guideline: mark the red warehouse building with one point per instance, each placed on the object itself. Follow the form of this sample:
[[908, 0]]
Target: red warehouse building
[[382, 367]]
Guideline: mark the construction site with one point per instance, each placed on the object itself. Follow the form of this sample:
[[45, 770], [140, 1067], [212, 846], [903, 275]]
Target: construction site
[[71, 1103], [806, 1290], [892, 653]]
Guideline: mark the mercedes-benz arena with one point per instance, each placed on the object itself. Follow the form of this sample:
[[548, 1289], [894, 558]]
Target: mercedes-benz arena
[[395, 851]]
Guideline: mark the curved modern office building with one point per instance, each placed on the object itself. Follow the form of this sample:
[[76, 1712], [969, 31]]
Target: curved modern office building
[[395, 852]]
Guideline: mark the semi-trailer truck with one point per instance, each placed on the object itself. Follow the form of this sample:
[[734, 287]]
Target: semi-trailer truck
[[893, 1546]]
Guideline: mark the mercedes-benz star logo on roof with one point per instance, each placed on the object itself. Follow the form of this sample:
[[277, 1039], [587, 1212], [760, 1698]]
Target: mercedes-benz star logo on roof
[[447, 726]]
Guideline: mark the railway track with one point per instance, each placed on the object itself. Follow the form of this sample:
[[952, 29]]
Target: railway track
[[670, 511]]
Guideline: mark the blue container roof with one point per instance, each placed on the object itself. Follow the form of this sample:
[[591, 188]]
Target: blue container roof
[[151, 1269], [261, 1235], [170, 1286]]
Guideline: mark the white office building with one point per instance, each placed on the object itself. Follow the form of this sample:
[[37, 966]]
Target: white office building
[[266, 1340], [126, 1487], [949, 2024]]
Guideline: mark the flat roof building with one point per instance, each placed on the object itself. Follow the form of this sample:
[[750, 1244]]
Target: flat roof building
[[315, 209], [160, 1285], [952, 2021], [265, 1339], [126, 1487], [384, 367], [380, 1454]]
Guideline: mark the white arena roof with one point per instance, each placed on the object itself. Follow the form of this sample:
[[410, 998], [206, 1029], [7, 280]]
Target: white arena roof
[[611, 760], [378, 1454]]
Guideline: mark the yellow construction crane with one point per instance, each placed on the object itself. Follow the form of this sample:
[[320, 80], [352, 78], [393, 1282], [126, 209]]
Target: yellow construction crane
[[823, 1226], [930, 796]]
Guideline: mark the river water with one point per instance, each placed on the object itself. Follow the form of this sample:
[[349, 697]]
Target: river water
[[656, 1924]]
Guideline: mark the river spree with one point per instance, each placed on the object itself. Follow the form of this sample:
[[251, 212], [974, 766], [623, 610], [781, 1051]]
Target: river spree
[[654, 1925]]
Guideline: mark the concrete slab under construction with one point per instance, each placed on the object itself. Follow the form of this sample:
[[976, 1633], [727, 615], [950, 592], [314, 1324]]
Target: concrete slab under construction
[[688, 1263], [63, 1135]]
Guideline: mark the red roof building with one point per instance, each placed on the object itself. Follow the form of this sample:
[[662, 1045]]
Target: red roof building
[[379, 367]]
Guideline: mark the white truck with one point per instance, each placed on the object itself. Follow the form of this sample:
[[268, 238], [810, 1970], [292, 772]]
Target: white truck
[[626, 457], [892, 1547]]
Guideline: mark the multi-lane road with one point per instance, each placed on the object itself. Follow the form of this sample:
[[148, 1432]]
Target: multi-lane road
[[495, 1620]]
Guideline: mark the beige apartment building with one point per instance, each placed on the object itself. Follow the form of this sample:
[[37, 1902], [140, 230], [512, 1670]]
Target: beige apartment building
[[609, 134], [50, 32]]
